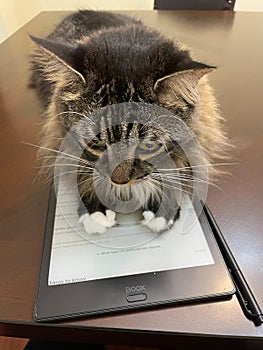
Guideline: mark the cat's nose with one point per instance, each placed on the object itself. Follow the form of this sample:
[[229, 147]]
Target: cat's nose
[[122, 174], [121, 179]]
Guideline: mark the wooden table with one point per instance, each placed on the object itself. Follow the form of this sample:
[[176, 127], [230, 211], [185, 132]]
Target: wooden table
[[233, 42]]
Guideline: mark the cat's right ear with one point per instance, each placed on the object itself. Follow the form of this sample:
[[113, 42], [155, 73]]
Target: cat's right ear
[[181, 86], [58, 60]]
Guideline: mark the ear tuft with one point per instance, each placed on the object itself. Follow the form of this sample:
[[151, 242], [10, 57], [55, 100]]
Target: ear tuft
[[56, 55], [180, 87], [194, 72]]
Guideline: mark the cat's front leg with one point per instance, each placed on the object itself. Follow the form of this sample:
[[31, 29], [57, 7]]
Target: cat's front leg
[[94, 217], [160, 219]]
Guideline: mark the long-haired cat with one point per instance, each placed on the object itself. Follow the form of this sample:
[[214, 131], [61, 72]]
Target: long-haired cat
[[94, 60]]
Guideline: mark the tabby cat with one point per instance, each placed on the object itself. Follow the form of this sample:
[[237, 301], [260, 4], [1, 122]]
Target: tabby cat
[[98, 61]]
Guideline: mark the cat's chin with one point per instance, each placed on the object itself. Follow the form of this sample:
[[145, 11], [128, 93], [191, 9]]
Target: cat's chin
[[122, 192], [140, 190]]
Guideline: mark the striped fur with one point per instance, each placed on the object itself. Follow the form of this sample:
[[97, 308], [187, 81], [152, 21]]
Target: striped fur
[[97, 59]]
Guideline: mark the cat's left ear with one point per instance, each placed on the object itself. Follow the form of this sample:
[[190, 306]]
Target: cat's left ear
[[183, 83], [59, 60]]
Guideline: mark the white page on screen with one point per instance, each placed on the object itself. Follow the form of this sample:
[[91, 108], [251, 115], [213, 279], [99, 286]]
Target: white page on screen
[[126, 249]]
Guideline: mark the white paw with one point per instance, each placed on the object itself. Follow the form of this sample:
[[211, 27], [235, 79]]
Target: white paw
[[98, 222], [156, 224]]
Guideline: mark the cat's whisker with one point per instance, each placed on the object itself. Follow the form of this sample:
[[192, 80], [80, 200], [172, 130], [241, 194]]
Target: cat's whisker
[[196, 166], [157, 191], [194, 180], [65, 157], [65, 165], [182, 176], [95, 177], [155, 182], [69, 172], [83, 181], [81, 160], [55, 151], [172, 181], [169, 186], [163, 194], [186, 177]]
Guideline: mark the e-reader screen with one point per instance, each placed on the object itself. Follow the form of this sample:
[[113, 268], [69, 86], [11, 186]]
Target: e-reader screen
[[129, 248]]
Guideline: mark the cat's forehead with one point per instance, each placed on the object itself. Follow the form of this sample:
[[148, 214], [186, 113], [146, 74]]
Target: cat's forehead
[[130, 120], [114, 127], [127, 131]]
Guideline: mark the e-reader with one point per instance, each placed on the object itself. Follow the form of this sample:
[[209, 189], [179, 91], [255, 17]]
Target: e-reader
[[128, 266]]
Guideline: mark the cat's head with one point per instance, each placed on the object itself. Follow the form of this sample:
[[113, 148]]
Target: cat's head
[[129, 64]]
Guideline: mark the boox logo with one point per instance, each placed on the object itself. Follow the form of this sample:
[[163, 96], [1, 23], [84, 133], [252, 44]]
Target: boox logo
[[133, 289]]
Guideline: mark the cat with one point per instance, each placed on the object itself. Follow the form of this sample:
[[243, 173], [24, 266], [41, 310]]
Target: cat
[[95, 61]]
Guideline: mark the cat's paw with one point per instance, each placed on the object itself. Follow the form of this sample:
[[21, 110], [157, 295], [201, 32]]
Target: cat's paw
[[157, 224], [98, 222]]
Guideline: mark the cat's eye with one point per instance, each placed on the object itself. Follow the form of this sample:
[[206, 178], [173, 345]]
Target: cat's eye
[[149, 146], [97, 144]]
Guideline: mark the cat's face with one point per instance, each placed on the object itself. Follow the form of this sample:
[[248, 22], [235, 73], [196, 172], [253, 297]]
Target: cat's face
[[126, 149]]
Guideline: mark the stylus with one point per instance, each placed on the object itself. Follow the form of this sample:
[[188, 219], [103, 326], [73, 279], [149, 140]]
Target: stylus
[[246, 298]]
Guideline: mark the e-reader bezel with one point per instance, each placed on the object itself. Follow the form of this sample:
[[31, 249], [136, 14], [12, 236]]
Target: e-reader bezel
[[109, 295]]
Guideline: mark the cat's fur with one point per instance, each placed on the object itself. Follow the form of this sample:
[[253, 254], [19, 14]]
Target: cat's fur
[[95, 59]]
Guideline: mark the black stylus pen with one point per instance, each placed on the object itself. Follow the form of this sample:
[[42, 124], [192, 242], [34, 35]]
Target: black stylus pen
[[245, 296]]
